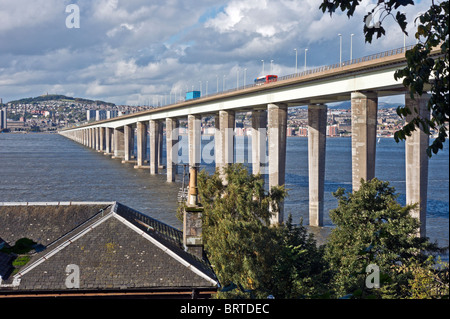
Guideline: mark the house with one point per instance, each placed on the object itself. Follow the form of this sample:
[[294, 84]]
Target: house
[[98, 249]]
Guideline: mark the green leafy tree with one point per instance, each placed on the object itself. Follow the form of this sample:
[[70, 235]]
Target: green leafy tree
[[251, 258], [422, 72], [372, 228]]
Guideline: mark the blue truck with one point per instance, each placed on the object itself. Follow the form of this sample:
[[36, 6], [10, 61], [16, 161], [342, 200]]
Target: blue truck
[[192, 95]]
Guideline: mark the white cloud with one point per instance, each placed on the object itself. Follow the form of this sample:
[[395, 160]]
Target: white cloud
[[137, 50]]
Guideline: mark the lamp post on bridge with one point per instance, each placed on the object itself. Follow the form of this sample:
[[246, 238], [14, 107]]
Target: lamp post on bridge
[[296, 69], [306, 50], [340, 49], [351, 47]]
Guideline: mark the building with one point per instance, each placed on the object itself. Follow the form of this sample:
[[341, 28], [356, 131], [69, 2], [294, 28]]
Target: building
[[90, 115], [100, 115], [332, 130], [98, 249], [3, 119], [111, 114]]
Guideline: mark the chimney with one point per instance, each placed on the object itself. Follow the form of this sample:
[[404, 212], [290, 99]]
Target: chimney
[[192, 219]]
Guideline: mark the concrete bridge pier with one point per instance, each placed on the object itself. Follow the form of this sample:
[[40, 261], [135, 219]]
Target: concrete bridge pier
[[277, 124], [108, 140], [154, 147], [94, 138], [160, 144], [89, 137], [119, 151], [97, 138], [259, 132], [141, 144], [102, 139], [224, 152], [194, 139], [417, 161], [364, 133], [85, 137], [128, 142], [172, 127], [317, 124]]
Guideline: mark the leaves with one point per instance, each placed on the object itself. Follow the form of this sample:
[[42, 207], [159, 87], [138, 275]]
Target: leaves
[[371, 227], [245, 250]]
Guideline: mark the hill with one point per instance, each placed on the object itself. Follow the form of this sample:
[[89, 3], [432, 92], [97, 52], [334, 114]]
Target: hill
[[57, 97]]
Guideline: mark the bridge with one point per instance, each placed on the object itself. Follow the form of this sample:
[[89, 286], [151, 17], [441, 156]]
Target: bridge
[[362, 81]]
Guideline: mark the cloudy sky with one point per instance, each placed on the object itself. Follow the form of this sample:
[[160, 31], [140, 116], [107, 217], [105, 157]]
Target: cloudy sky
[[143, 52]]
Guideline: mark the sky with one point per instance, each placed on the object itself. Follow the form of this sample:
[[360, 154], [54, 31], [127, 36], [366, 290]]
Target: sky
[[141, 52]]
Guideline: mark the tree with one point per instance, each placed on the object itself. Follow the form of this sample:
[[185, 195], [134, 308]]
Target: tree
[[372, 228], [250, 257], [422, 70]]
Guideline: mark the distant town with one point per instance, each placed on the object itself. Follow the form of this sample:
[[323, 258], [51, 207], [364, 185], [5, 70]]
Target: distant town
[[50, 113]]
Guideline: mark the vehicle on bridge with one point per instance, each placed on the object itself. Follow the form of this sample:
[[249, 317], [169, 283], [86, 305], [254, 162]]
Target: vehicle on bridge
[[266, 79], [192, 95]]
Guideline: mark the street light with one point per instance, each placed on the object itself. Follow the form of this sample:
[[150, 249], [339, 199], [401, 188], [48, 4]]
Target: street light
[[262, 67], [245, 75], [306, 50], [271, 68], [340, 49], [296, 70], [351, 47]]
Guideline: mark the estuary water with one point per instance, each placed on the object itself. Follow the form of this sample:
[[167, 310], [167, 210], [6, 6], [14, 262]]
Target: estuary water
[[52, 168]]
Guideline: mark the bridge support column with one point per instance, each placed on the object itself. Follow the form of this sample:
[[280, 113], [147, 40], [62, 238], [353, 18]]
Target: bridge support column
[[417, 161], [108, 138], [172, 126], [160, 144], [93, 138], [102, 139], [84, 141], [224, 152], [141, 144], [259, 128], [364, 133], [97, 138], [118, 143], [154, 147], [88, 137], [194, 139], [317, 125], [277, 123], [128, 141]]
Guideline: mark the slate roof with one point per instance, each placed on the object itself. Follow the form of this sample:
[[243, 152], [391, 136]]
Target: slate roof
[[113, 246]]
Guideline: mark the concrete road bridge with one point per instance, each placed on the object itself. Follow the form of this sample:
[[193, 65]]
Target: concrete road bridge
[[362, 81]]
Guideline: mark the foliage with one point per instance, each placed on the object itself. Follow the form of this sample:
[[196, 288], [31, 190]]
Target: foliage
[[254, 259], [373, 228], [432, 33], [250, 257], [427, 280]]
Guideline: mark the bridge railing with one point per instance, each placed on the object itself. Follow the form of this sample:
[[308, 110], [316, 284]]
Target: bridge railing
[[348, 62], [311, 71], [320, 69]]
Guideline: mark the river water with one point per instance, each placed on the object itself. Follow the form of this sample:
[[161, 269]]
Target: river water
[[52, 168]]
